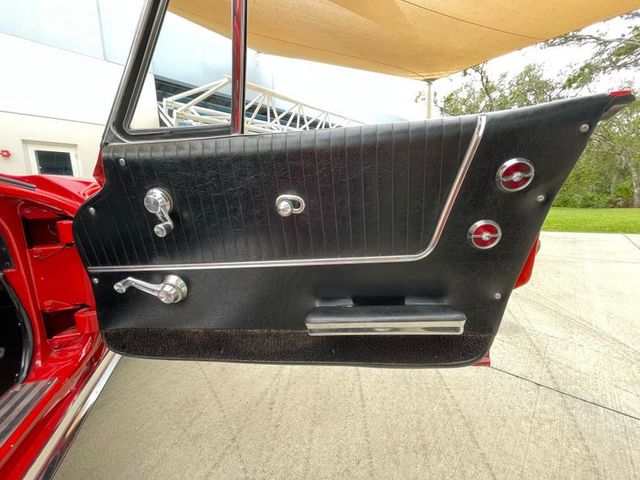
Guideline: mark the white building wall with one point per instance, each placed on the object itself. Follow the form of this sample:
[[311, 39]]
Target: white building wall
[[53, 95], [26, 129], [62, 62]]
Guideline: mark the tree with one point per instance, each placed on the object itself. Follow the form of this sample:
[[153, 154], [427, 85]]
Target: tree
[[619, 139], [607, 173], [482, 94], [610, 53]]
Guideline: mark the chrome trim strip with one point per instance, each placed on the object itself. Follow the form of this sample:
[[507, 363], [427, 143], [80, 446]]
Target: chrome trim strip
[[443, 327], [474, 143], [51, 455]]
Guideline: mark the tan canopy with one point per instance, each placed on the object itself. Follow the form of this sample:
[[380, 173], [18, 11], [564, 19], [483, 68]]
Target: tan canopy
[[421, 39]]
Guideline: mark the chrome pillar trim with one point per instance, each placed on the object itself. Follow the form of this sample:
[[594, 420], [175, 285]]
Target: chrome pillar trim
[[474, 143], [238, 64], [50, 457], [444, 327]]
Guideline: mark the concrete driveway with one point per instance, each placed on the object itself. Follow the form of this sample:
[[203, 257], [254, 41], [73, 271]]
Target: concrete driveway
[[561, 400]]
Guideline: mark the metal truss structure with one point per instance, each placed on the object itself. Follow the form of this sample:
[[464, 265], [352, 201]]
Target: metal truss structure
[[265, 110]]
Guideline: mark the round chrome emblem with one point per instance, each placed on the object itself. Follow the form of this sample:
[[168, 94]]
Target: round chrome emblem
[[514, 175], [484, 234]]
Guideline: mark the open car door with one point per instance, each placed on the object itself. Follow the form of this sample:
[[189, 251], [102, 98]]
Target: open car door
[[395, 244]]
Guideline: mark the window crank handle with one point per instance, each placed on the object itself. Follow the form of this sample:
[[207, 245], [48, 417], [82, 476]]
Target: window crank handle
[[171, 290]]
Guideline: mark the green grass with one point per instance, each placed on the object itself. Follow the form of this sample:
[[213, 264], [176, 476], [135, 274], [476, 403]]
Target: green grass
[[611, 220]]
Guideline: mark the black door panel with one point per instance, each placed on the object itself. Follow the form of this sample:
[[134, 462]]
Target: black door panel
[[374, 196], [369, 191]]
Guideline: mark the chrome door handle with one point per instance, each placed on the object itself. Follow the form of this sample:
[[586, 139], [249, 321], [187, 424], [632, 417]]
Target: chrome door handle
[[159, 202], [171, 290]]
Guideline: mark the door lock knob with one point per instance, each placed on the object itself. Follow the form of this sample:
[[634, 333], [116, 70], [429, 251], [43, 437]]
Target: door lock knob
[[159, 202], [171, 290], [289, 204]]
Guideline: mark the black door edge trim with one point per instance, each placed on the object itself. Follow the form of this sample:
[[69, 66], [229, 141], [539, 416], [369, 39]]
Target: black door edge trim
[[17, 183], [25, 328]]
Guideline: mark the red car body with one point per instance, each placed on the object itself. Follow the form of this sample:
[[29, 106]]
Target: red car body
[[67, 358]]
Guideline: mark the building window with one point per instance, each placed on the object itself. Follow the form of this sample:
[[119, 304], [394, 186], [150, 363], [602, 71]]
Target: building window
[[52, 159], [53, 163]]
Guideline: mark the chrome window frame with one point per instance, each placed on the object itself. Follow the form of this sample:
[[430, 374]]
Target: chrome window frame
[[118, 128]]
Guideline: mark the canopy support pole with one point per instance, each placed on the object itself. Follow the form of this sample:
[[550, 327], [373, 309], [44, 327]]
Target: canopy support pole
[[429, 99]]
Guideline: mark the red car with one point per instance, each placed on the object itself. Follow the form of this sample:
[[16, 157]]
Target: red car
[[380, 245]]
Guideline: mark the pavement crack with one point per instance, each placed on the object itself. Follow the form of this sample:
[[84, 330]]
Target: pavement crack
[[472, 434], [575, 397], [225, 420], [367, 432], [632, 242]]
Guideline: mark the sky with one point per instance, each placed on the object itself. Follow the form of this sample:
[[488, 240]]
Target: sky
[[372, 97]]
